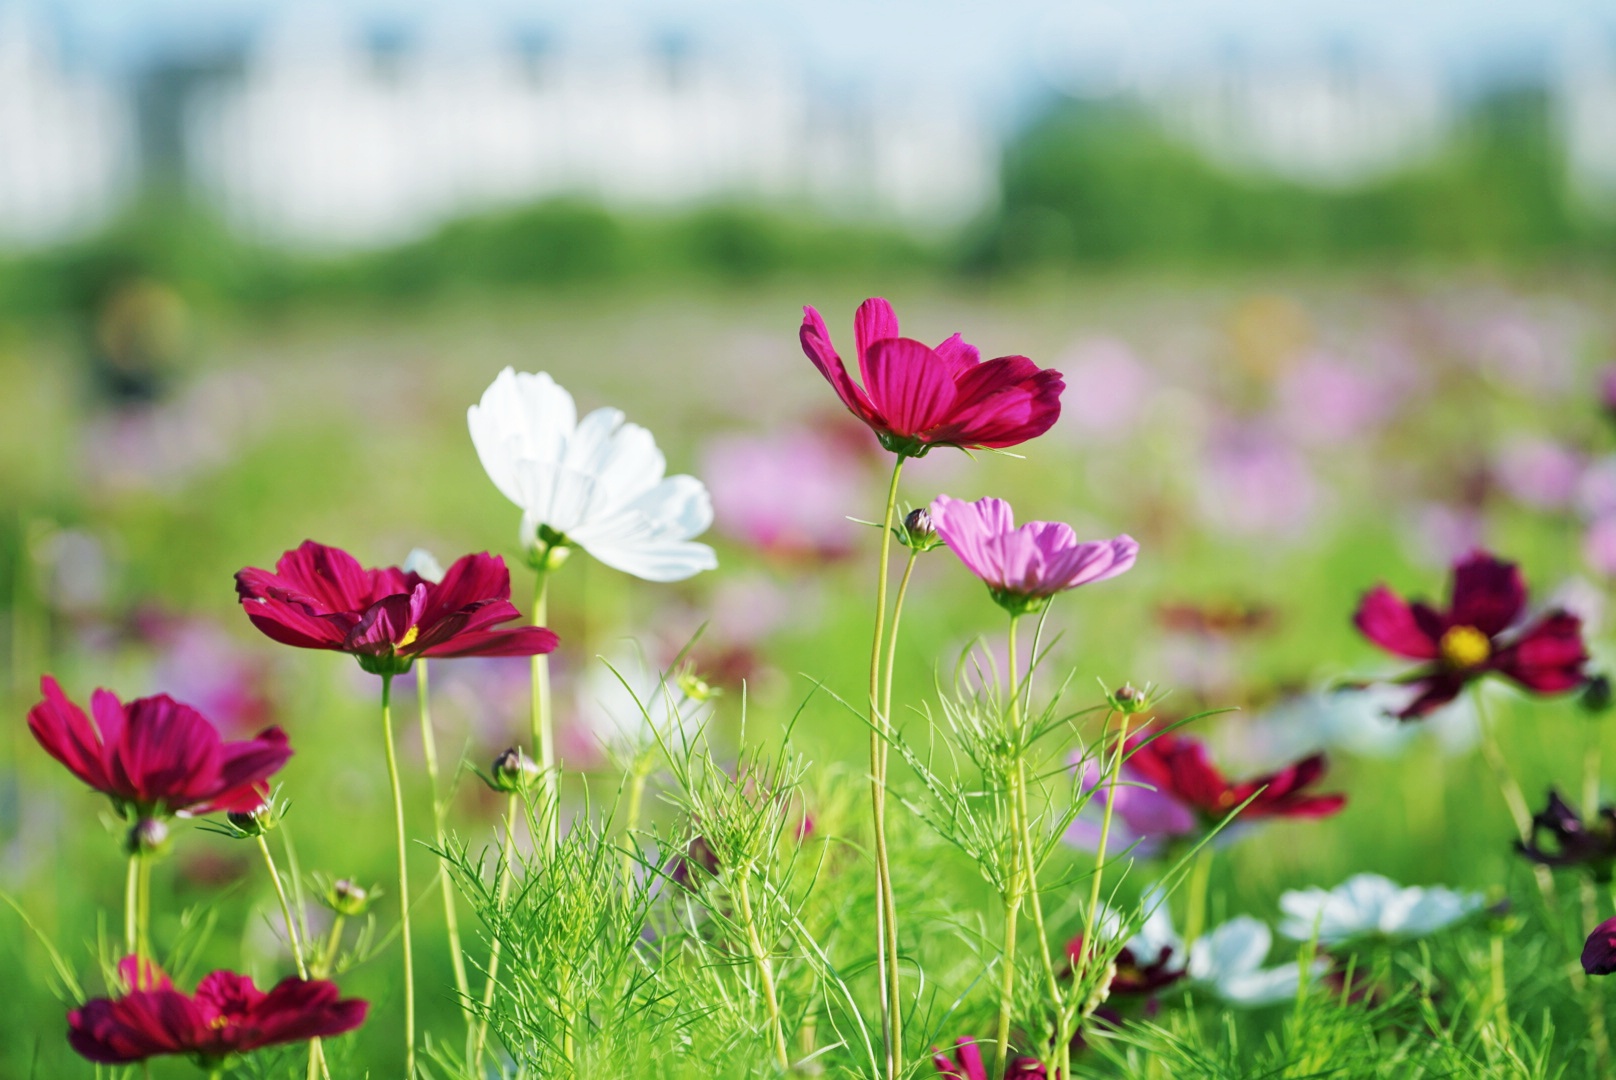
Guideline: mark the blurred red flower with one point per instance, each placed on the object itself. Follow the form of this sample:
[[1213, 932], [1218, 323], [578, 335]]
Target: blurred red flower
[[1475, 635]]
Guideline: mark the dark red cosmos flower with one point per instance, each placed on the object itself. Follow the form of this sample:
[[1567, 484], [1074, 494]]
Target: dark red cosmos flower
[[155, 756], [967, 1064], [915, 397], [1561, 838], [1473, 636], [1599, 952], [1136, 975], [321, 598], [1179, 767], [227, 1015]]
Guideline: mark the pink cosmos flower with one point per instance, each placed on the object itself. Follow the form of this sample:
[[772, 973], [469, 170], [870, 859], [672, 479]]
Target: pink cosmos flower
[[1539, 473], [155, 756], [915, 397], [1477, 634], [788, 494], [226, 1016], [967, 1063], [1024, 567], [321, 598]]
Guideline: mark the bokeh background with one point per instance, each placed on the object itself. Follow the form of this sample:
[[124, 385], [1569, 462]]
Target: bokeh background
[[1330, 283]]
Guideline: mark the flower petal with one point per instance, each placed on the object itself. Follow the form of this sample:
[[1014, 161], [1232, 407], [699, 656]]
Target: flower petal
[[816, 345], [67, 735], [1488, 593], [910, 386], [1548, 657], [521, 417], [1385, 619]]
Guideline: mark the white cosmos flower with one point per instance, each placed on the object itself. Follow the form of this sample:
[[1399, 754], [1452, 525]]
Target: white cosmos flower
[[597, 481], [1368, 905], [1229, 962]]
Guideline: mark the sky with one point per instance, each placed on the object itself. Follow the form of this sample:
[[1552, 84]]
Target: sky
[[1000, 52]]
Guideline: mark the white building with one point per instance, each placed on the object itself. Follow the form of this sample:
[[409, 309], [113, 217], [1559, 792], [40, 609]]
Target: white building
[[66, 140], [325, 142]]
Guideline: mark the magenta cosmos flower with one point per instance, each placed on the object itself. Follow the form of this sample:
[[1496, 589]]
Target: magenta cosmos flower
[[967, 1064], [155, 756], [915, 397], [1476, 635], [227, 1015], [321, 598], [1024, 567]]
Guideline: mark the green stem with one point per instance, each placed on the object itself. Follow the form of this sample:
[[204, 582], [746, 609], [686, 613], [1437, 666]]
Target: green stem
[[451, 918], [294, 871], [892, 641], [327, 960], [502, 889], [1018, 866], [1200, 881], [1514, 797], [143, 947], [1591, 754], [543, 728], [636, 796], [765, 971], [403, 877], [292, 937], [1087, 950], [131, 908], [880, 728], [1500, 996]]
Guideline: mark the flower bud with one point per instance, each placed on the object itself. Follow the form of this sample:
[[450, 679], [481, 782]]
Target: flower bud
[[147, 837], [694, 687], [918, 531], [513, 771], [253, 822], [548, 549], [347, 898], [1129, 699]]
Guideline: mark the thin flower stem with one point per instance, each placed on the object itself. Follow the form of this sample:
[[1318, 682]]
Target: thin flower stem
[[892, 641], [131, 908], [880, 728], [403, 877], [1514, 798], [1087, 950], [1591, 754], [451, 918], [143, 947], [543, 727], [292, 937], [502, 887], [333, 944], [294, 871], [1016, 882], [765, 971], [1500, 997], [1200, 882], [636, 796]]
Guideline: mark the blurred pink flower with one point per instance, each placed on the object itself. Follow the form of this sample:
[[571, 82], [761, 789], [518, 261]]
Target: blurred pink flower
[[198, 663], [1254, 484], [1538, 472], [1599, 546], [1115, 387], [1596, 488], [1442, 533], [788, 494], [1322, 401]]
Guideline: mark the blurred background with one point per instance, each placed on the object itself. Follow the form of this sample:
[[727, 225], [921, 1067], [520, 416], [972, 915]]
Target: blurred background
[[1330, 284]]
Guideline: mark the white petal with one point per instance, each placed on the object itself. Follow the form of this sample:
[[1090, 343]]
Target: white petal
[[1258, 988], [647, 538], [422, 562], [521, 416], [622, 457], [1236, 948]]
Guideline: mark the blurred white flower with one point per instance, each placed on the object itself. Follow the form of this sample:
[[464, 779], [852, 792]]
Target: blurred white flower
[[597, 482], [1229, 962], [1367, 905], [424, 565], [627, 705]]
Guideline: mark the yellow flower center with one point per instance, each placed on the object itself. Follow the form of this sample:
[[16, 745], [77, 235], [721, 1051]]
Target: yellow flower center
[[1465, 647], [409, 638]]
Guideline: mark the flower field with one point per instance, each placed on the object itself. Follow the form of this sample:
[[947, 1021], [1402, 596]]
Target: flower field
[[1133, 676]]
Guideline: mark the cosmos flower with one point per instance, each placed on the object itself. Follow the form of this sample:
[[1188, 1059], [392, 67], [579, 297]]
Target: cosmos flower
[[596, 483], [227, 1015], [1368, 905], [1561, 838], [1151, 960], [1599, 951], [787, 494], [1024, 567], [1228, 961], [321, 598], [915, 397], [155, 756], [1476, 635], [1172, 789]]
